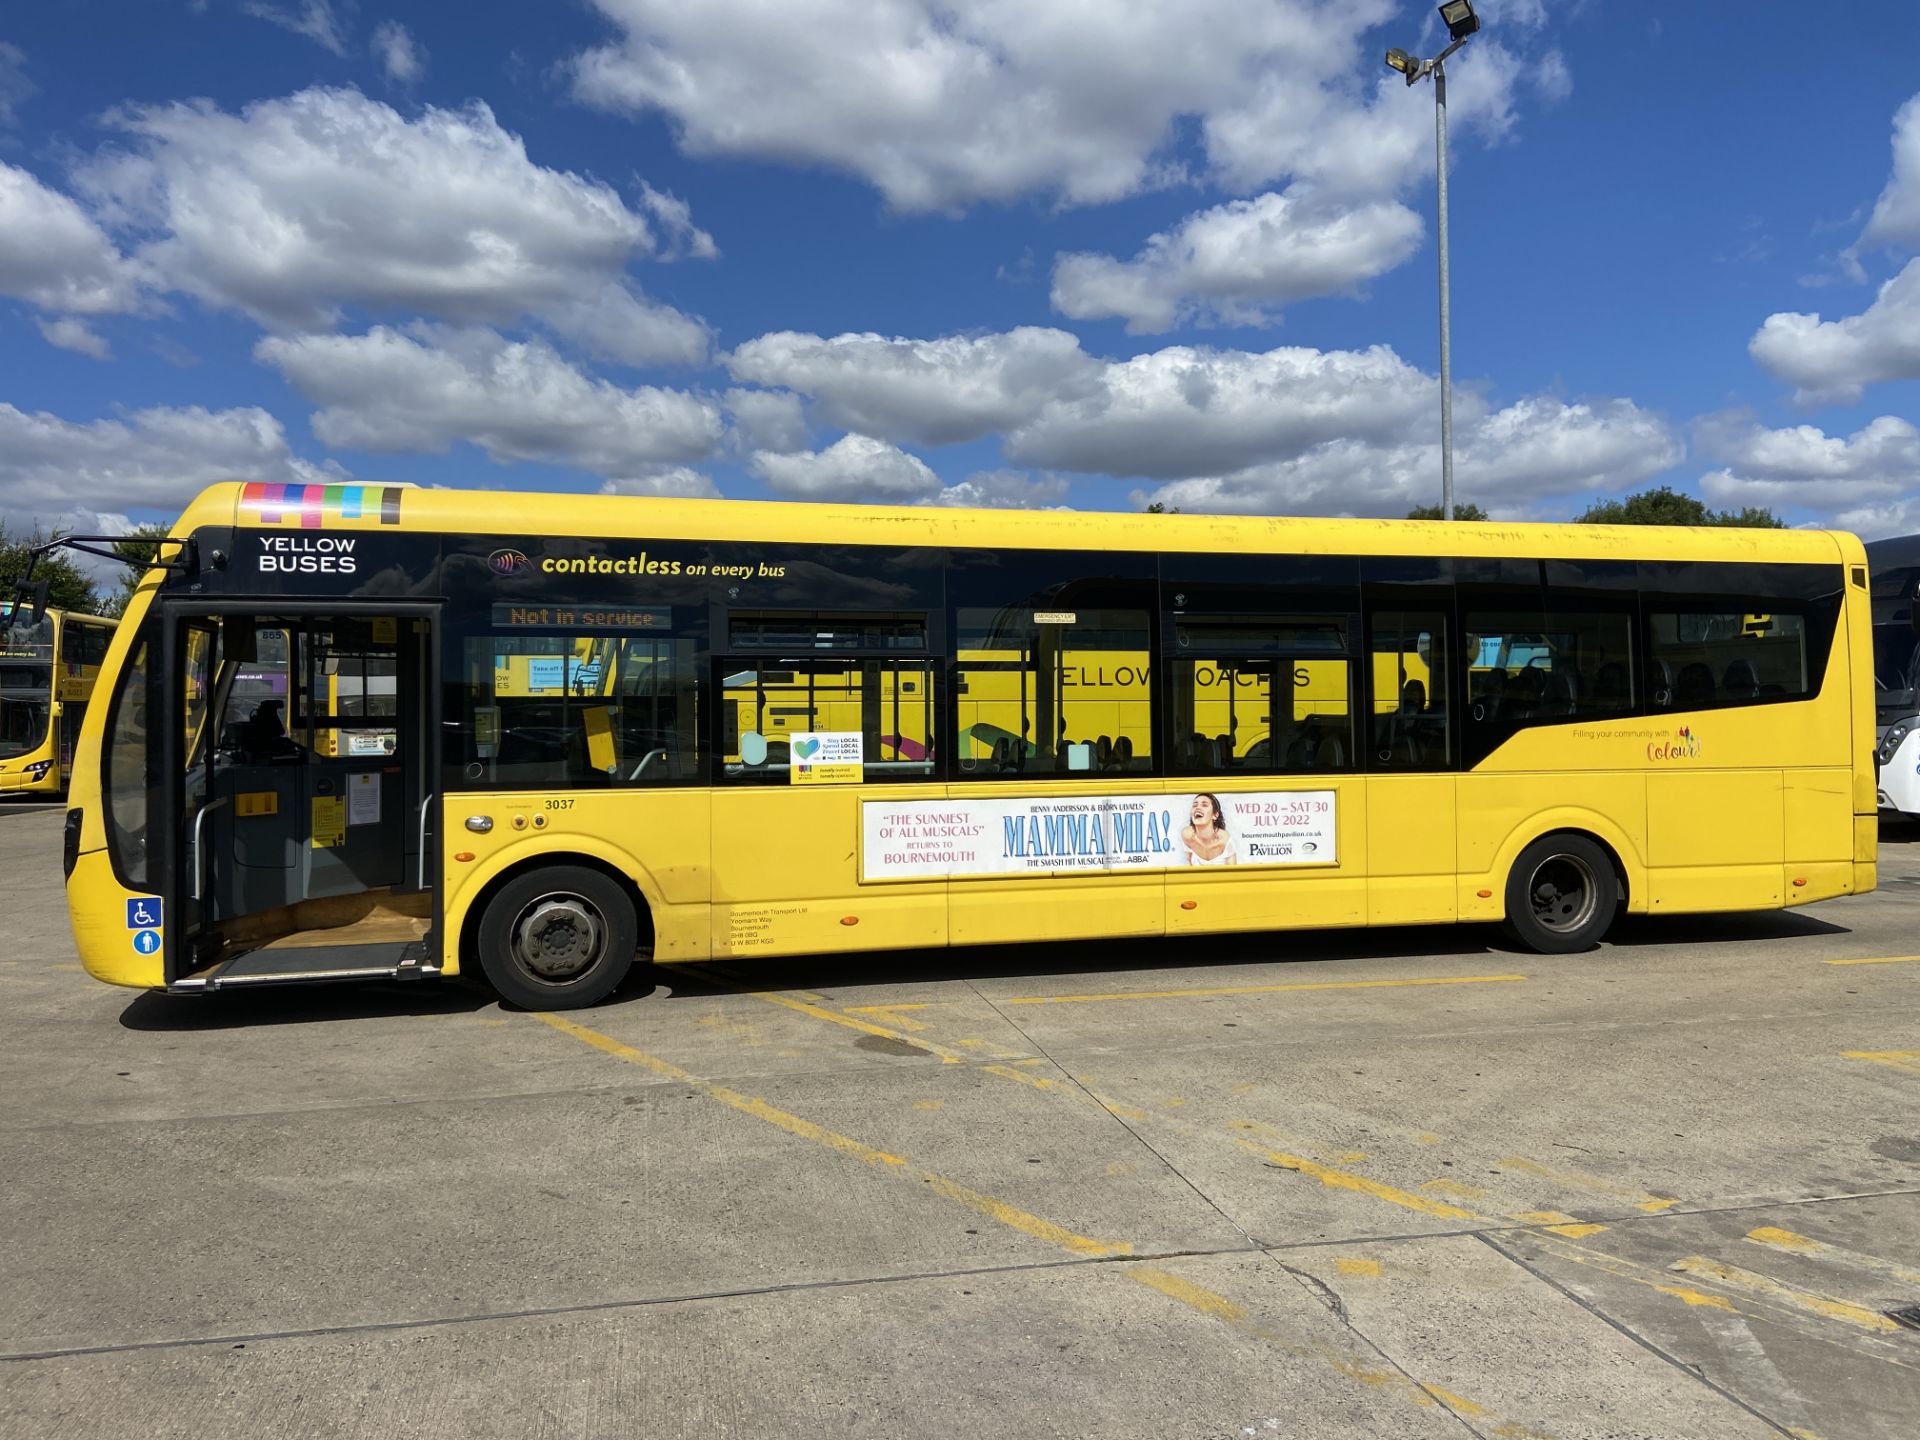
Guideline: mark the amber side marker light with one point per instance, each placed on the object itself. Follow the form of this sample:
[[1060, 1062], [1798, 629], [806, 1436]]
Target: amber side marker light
[[1484, 894], [1189, 904], [463, 855], [849, 919], [1800, 880]]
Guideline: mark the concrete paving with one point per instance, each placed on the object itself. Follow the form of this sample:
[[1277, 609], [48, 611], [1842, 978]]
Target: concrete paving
[[1365, 1183]]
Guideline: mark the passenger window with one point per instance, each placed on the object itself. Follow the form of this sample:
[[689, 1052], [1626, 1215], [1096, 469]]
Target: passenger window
[[820, 720], [1537, 669], [1261, 694], [1706, 660], [1049, 692], [590, 710], [1408, 656]]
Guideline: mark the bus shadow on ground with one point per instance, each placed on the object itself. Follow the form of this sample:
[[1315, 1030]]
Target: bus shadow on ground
[[1296, 953], [304, 1005], [1278, 957]]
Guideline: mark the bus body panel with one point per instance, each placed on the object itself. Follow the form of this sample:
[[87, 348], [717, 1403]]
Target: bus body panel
[[612, 828], [1412, 849]]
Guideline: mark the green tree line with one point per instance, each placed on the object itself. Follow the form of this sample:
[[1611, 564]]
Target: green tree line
[[1662, 505]]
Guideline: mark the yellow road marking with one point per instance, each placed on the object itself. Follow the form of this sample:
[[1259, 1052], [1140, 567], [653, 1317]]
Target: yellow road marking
[[1877, 960], [1907, 1060], [1775, 1238], [1453, 1188], [1262, 989], [997, 1210], [1579, 1180], [1560, 1223], [1695, 1297], [928, 1104], [891, 1013], [1825, 1305], [1353, 1265], [1195, 1297], [1342, 1180]]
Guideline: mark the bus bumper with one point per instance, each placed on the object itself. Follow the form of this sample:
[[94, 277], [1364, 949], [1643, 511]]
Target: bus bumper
[[109, 947]]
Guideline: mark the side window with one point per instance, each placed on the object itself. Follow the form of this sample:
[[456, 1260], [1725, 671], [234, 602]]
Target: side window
[[812, 698], [820, 720], [1046, 692], [1701, 660], [1408, 657], [1261, 694], [127, 796], [1533, 668], [586, 710]]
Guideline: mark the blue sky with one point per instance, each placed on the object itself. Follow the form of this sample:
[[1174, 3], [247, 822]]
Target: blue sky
[[1008, 252]]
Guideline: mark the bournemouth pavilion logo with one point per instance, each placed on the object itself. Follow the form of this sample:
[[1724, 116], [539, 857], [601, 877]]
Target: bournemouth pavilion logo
[[509, 562]]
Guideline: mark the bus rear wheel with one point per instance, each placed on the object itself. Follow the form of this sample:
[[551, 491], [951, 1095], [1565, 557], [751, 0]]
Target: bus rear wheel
[[557, 938], [1562, 895]]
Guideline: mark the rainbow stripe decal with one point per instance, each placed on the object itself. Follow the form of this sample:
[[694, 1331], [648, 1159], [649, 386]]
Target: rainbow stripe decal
[[311, 506]]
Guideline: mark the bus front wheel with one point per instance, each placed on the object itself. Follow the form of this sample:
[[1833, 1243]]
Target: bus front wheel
[[1561, 895], [557, 938]]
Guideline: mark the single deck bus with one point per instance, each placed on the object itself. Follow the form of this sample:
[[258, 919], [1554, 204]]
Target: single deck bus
[[376, 731], [49, 664], [1894, 580]]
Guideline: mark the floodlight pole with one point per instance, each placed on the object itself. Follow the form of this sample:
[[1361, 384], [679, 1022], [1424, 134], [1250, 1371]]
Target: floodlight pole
[[1446, 338]]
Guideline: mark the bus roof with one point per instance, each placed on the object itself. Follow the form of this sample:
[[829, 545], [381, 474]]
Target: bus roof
[[365, 507]]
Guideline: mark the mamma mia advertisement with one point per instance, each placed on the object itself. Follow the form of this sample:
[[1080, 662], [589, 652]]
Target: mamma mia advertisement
[[1062, 834]]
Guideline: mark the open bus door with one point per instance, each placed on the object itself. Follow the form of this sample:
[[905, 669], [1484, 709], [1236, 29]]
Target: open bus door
[[298, 757]]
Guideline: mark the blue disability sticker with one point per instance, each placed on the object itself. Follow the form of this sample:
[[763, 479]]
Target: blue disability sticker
[[146, 941], [143, 912]]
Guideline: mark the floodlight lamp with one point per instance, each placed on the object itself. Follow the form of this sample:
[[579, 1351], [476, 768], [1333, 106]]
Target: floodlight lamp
[[1459, 18], [1406, 64]]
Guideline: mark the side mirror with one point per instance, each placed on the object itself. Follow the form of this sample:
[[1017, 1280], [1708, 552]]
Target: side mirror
[[29, 604]]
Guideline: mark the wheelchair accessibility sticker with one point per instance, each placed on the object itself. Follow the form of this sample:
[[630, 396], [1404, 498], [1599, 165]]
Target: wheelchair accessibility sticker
[[143, 912]]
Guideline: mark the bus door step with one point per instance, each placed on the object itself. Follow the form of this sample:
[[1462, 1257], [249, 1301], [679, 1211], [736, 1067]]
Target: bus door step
[[391, 960]]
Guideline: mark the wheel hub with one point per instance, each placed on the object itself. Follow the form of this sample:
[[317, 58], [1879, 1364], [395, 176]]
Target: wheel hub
[[1563, 893], [558, 937]]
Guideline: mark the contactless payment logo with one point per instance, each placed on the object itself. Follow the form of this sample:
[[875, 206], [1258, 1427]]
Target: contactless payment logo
[[509, 561]]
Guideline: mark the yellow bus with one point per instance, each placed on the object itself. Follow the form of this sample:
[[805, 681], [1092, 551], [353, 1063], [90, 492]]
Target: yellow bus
[[49, 664], [378, 731]]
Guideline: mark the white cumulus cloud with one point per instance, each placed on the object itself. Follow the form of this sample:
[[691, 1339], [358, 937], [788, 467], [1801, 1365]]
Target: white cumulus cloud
[[402, 59], [150, 459], [1834, 360], [930, 392], [855, 468], [315, 20], [295, 208], [54, 256], [680, 482], [1239, 263], [1506, 460], [423, 389], [75, 335], [1005, 490], [1802, 465], [1895, 221]]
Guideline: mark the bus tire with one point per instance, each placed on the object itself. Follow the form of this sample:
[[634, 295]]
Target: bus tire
[[1562, 895], [559, 937]]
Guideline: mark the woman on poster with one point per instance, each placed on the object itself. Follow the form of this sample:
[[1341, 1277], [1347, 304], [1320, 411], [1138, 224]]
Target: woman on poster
[[1206, 840]]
